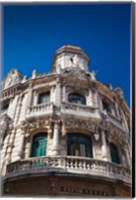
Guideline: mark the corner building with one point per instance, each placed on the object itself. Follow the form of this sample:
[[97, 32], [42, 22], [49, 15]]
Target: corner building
[[64, 133]]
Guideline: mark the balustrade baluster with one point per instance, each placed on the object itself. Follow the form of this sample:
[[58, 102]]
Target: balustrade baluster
[[84, 164], [71, 163], [76, 163], [91, 165]]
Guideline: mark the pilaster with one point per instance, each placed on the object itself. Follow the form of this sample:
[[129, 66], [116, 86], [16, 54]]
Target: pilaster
[[55, 148], [104, 145]]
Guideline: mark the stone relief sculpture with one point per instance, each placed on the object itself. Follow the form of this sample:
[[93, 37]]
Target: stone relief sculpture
[[12, 78]]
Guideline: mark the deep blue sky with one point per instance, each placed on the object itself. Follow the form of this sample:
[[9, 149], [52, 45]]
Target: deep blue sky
[[33, 33]]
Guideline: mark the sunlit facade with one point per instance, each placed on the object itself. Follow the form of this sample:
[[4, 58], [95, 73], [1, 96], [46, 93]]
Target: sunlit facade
[[64, 133]]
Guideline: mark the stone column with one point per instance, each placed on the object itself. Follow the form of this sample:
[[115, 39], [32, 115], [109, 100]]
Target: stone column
[[127, 155], [104, 145], [27, 148], [117, 111], [58, 92], [52, 94], [20, 150], [55, 148], [29, 98]]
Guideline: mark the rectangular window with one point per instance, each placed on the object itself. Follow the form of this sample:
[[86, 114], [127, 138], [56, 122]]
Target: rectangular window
[[106, 106], [44, 98], [4, 105]]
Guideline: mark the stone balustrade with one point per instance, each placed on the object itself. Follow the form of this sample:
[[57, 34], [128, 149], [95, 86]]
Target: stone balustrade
[[65, 106], [63, 164], [40, 109]]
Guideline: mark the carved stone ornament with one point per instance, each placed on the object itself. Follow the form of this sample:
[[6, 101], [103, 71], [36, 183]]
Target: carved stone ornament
[[96, 136], [73, 89], [28, 126], [74, 72], [5, 123], [81, 124], [119, 93], [12, 78], [117, 137]]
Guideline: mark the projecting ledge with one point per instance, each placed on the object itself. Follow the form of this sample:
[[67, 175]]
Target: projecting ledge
[[69, 164]]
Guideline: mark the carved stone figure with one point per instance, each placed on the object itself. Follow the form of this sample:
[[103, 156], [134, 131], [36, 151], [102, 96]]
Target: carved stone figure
[[93, 73], [34, 73], [12, 78]]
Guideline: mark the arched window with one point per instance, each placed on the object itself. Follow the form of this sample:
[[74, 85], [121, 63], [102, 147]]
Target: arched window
[[114, 154], [44, 98], [79, 145], [39, 145], [76, 98]]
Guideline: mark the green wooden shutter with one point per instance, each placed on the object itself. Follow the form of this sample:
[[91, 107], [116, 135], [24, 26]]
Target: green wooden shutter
[[39, 145], [114, 154]]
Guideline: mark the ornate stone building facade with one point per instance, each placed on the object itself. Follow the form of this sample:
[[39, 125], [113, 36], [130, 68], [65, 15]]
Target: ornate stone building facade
[[64, 133]]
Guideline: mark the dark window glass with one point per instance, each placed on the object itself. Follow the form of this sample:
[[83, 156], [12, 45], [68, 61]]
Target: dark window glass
[[106, 106], [76, 98], [114, 154], [44, 98], [79, 145], [4, 105], [39, 145]]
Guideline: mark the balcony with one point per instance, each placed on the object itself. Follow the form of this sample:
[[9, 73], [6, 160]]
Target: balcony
[[79, 110], [40, 109], [69, 164]]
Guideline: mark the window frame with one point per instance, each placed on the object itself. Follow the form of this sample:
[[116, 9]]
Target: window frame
[[39, 134], [77, 141], [41, 95], [4, 105], [76, 96], [117, 153]]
